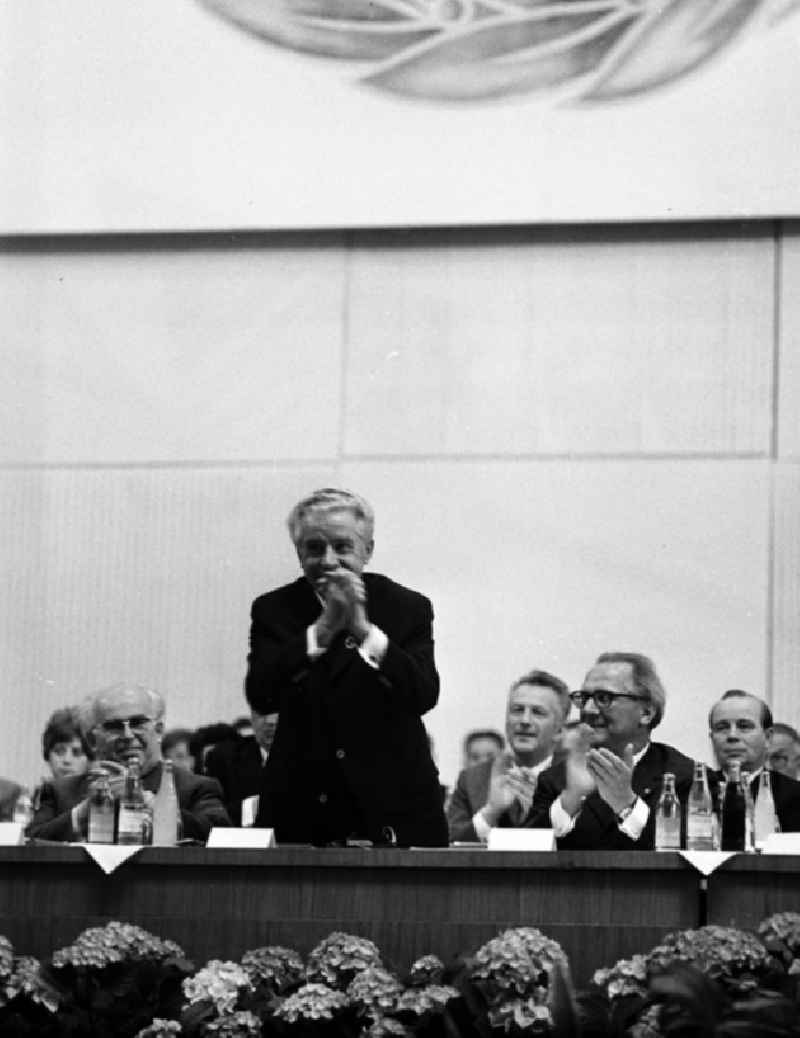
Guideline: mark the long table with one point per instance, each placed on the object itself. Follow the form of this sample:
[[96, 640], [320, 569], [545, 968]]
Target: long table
[[601, 906]]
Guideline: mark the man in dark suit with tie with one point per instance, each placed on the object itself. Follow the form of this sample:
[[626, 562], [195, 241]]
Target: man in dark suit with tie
[[346, 659], [603, 796], [499, 792], [123, 726], [739, 727], [238, 765]]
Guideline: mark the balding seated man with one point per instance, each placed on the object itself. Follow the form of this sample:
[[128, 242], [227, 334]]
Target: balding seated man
[[123, 726]]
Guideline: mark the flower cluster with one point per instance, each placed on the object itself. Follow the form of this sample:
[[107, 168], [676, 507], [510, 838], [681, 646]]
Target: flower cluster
[[430, 999], [374, 990], [311, 1002], [427, 970], [242, 1024], [217, 982], [275, 967], [6, 958], [339, 957], [722, 953], [627, 977], [522, 1014], [160, 1028], [385, 1027], [518, 962], [22, 975], [781, 936], [100, 946]]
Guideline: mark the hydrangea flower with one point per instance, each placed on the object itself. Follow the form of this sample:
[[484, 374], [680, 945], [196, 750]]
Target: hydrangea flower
[[781, 936], [525, 1014], [160, 1028], [25, 978], [427, 970], [100, 946], [218, 982], [276, 967], [430, 999], [516, 963], [242, 1024], [6, 958], [385, 1027], [338, 957], [721, 952], [375, 990], [626, 977], [311, 1002]]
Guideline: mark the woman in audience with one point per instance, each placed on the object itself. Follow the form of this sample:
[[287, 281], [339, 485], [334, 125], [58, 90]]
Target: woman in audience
[[63, 745]]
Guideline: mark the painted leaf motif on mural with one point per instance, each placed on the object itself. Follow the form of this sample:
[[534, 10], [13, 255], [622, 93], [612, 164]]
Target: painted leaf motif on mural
[[474, 50]]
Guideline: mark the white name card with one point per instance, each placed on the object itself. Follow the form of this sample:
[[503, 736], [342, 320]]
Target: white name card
[[238, 838], [521, 840], [11, 834], [782, 843]]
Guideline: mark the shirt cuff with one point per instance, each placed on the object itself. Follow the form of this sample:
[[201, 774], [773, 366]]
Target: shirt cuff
[[561, 822], [76, 825], [313, 648], [481, 826], [373, 648], [634, 824]]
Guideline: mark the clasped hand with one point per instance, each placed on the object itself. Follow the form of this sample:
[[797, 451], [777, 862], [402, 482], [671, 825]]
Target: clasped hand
[[345, 606]]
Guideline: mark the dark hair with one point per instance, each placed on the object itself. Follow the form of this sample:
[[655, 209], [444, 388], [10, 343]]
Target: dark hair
[[739, 693], [62, 726], [645, 679], [546, 680], [779, 728], [484, 733], [175, 736], [210, 735]]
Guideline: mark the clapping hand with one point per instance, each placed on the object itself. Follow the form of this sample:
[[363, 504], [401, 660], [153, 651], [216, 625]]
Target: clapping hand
[[580, 779], [345, 606], [613, 776], [509, 785]]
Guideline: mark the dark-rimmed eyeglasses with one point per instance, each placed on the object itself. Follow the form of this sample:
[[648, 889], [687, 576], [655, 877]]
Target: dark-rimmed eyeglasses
[[137, 725], [602, 697]]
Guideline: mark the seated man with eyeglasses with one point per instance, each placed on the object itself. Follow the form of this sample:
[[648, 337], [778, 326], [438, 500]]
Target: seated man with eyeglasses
[[123, 726], [603, 796]]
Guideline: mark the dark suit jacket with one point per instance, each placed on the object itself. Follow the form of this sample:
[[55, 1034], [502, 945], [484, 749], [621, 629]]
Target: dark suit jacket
[[199, 799], [341, 718], [236, 764], [596, 827], [785, 793], [469, 796]]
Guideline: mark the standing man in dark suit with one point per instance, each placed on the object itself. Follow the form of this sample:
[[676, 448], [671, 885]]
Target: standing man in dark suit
[[122, 726], [238, 765], [346, 659], [499, 792], [739, 727], [603, 796]]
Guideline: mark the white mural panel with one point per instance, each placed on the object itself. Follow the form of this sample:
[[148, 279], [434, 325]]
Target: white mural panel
[[335, 113]]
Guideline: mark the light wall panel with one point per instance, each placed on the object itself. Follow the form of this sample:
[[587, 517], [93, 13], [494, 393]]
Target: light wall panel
[[786, 594], [140, 574], [546, 564], [538, 344], [789, 356], [171, 355]]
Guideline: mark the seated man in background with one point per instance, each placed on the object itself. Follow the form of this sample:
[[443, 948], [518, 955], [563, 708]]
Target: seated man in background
[[238, 766], [739, 726], [603, 795], [176, 746], [499, 791], [784, 750], [482, 744], [123, 725], [63, 745]]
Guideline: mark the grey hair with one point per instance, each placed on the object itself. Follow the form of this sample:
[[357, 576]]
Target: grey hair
[[90, 709], [327, 498], [645, 679]]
